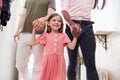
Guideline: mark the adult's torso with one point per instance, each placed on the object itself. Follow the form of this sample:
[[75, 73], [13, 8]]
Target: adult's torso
[[35, 10], [78, 9]]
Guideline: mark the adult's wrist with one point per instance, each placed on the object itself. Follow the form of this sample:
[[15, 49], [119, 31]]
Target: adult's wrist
[[46, 18], [71, 23]]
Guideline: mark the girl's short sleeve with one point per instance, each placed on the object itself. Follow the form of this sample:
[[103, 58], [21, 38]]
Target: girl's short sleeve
[[66, 40], [42, 39]]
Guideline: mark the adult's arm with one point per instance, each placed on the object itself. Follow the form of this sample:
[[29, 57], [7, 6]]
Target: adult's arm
[[38, 24], [76, 28], [65, 11], [20, 24], [67, 17]]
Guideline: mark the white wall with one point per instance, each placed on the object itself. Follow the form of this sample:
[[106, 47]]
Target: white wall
[[108, 20], [7, 45]]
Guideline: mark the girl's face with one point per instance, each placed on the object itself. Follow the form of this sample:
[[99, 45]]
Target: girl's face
[[55, 23]]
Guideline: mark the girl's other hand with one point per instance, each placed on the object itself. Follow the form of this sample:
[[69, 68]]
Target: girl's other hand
[[32, 42]]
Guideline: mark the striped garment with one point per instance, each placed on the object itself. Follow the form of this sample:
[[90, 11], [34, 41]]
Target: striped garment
[[78, 9]]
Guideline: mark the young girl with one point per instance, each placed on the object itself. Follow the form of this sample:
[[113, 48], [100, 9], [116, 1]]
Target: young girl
[[54, 40]]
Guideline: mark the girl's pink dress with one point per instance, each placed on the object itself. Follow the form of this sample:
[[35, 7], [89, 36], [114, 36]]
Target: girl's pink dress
[[54, 67]]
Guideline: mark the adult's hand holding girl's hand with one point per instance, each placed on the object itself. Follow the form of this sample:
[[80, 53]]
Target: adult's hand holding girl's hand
[[75, 34], [76, 29], [39, 24]]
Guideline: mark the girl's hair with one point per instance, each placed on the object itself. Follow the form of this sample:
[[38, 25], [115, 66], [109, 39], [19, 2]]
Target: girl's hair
[[50, 17]]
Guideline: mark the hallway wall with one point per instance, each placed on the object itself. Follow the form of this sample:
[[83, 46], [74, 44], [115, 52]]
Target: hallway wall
[[7, 45], [108, 20]]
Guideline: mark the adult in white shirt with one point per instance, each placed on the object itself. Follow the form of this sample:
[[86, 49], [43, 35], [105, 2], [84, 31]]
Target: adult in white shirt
[[78, 15]]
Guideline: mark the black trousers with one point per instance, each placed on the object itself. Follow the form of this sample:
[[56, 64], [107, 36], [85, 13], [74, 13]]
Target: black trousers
[[87, 43]]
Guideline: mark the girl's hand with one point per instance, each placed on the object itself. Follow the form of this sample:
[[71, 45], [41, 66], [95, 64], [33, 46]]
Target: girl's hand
[[32, 41], [16, 37]]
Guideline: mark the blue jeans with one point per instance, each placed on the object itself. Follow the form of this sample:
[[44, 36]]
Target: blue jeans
[[87, 43]]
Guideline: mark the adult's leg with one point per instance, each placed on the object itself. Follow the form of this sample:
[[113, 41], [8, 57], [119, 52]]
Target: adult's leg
[[88, 46], [72, 55], [22, 56], [38, 51]]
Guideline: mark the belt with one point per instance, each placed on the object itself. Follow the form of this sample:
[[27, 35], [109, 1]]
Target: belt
[[83, 22]]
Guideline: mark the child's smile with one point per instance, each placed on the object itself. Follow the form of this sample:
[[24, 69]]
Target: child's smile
[[55, 23]]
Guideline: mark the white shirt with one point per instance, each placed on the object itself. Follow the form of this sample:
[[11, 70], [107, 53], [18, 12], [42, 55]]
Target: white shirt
[[78, 9]]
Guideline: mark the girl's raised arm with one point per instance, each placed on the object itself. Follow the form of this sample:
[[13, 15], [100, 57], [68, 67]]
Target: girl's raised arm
[[33, 40], [72, 44]]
